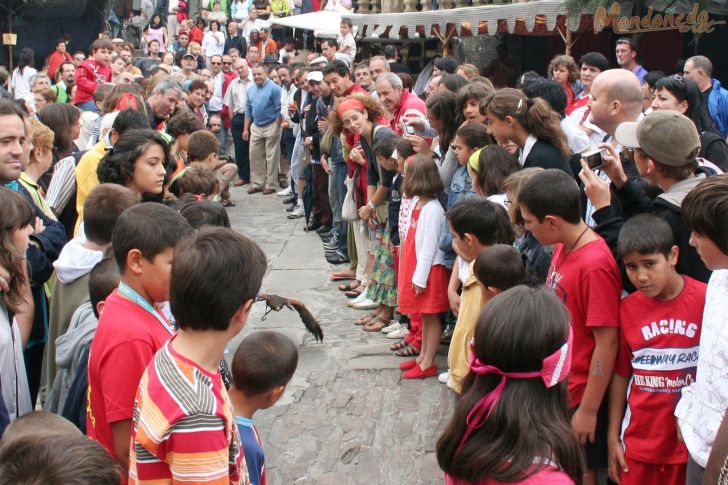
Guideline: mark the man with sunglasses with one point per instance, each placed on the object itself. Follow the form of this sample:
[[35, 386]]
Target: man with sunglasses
[[215, 105], [626, 52]]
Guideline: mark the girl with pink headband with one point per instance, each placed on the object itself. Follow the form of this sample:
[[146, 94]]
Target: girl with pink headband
[[511, 424]]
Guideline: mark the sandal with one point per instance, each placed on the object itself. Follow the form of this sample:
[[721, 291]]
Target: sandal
[[366, 319], [352, 293], [350, 285], [398, 346], [408, 351], [375, 325]]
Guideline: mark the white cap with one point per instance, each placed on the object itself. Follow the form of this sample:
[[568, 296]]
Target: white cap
[[316, 76]]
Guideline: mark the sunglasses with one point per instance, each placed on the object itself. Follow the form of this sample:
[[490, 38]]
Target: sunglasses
[[214, 63], [227, 63]]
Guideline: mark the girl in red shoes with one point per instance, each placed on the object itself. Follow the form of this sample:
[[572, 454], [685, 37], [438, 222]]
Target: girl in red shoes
[[423, 278], [511, 424]]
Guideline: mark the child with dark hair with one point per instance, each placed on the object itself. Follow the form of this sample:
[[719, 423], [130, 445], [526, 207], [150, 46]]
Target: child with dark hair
[[58, 458], [102, 209], [423, 277], [475, 225], [201, 213], [197, 181], [488, 168], [93, 72], [215, 280], [139, 161], [263, 365], [660, 322], [703, 425], [16, 301], [511, 423], [499, 268], [585, 276], [131, 328]]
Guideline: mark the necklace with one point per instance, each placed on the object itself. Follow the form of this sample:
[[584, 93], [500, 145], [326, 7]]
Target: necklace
[[555, 271]]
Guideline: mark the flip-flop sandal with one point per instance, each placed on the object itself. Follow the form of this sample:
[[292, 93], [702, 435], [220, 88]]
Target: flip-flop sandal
[[352, 293], [375, 325], [342, 275], [366, 319], [408, 351], [398, 346], [350, 285]]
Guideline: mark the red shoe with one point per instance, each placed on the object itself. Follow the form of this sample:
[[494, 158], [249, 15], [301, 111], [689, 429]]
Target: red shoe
[[408, 364], [417, 372]]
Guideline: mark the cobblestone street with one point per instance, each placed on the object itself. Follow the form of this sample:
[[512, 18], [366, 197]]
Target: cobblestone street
[[347, 417]]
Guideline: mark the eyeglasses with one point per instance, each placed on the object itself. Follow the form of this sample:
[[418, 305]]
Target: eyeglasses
[[214, 63], [227, 63]]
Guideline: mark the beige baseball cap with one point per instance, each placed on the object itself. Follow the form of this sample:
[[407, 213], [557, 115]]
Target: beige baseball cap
[[668, 137]]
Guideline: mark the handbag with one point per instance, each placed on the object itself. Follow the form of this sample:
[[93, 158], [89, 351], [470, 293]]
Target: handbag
[[349, 210], [325, 141]]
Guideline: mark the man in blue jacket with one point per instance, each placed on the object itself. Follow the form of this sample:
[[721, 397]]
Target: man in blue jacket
[[699, 69]]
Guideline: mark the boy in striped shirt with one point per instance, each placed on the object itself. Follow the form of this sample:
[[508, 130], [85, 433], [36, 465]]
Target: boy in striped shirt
[[184, 427]]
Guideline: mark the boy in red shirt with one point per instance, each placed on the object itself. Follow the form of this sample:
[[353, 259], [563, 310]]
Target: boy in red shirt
[[658, 354], [131, 328], [184, 424], [584, 274], [92, 73]]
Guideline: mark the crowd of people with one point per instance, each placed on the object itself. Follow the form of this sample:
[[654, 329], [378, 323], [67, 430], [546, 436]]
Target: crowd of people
[[565, 236]]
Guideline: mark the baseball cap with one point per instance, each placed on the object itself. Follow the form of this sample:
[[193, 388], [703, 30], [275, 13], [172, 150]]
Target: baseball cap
[[668, 137], [319, 60], [188, 54], [316, 76]]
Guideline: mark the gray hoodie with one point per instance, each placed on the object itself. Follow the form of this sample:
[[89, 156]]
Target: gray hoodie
[[69, 347]]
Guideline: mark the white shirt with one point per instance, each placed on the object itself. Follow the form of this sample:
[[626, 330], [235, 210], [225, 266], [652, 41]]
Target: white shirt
[[251, 25], [20, 82], [213, 43], [216, 99], [15, 390], [530, 142], [578, 140], [236, 95], [700, 410]]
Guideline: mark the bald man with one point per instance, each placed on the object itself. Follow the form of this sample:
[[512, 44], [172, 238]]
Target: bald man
[[616, 97]]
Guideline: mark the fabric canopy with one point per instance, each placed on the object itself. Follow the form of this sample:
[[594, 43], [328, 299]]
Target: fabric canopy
[[323, 23], [482, 19]]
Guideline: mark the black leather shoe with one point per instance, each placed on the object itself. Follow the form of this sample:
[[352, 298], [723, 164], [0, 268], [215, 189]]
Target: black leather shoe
[[313, 226], [290, 200], [323, 229], [336, 258]]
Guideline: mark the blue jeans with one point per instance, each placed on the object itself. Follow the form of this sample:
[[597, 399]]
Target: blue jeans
[[337, 191], [88, 106]]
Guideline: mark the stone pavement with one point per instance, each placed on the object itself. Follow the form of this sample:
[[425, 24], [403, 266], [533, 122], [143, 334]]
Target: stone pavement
[[347, 417]]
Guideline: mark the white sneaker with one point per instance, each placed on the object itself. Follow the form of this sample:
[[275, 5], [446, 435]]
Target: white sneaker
[[395, 325], [367, 304], [401, 332], [285, 192], [297, 213], [362, 296], [444, 377]]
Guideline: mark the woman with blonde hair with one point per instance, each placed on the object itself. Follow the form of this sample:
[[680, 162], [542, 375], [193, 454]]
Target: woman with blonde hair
[[39, 162]]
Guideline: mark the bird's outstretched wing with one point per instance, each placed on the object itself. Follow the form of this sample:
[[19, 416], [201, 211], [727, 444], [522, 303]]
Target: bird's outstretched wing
[[275, 303]]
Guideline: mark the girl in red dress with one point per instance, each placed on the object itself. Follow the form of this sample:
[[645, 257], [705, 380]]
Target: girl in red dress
[[423, 278]]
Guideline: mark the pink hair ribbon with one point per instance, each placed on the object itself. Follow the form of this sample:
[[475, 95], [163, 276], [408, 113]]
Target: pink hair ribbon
[[554, 369]]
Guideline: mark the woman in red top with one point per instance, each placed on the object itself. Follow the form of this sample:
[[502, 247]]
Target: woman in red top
[[58, 57], [198, 31]]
